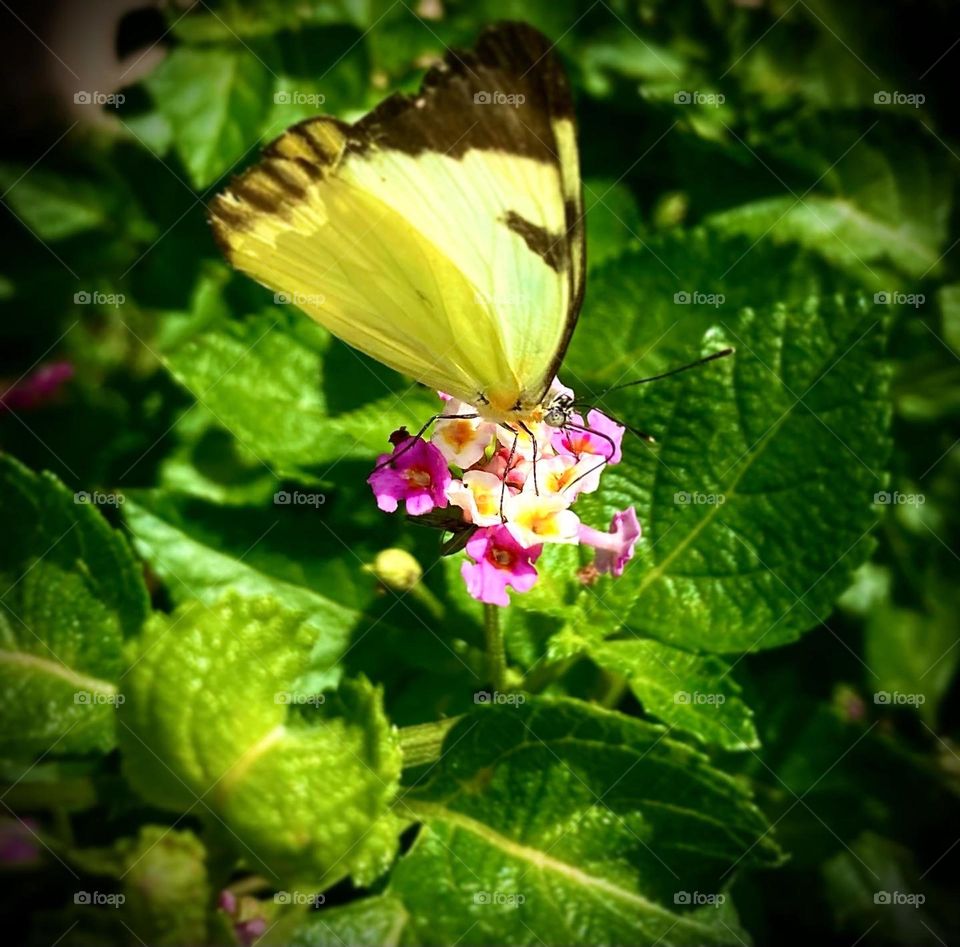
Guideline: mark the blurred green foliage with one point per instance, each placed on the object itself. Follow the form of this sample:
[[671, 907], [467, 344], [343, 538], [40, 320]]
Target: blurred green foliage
[[759, 174]]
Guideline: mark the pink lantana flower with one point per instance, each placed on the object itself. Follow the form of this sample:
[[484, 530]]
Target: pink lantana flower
[[516, 476], [498, 561], [603, 438], [614, 548], [514, 491], [419, 476]]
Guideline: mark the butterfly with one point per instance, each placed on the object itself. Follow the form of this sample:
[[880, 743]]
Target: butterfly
[[442, 233]]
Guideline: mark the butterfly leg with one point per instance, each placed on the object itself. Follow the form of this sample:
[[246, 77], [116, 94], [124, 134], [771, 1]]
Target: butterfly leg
[[533, 441], [506, 470], [604, 461]]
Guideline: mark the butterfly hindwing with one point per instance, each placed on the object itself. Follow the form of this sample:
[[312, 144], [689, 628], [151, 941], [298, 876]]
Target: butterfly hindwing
[[442, 233]]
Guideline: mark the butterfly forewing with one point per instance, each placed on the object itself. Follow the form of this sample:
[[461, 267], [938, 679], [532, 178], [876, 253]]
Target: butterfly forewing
[[442, 233]]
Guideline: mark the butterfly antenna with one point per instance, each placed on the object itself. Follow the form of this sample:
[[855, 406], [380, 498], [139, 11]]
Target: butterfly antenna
[[723, 353]]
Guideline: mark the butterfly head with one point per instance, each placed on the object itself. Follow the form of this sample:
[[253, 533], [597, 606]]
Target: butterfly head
[[558, 412]]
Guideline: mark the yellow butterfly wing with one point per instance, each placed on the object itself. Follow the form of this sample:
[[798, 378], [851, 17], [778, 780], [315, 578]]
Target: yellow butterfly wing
[[442, 233]]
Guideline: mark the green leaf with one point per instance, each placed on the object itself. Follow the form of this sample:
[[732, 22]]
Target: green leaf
[[215, 100], [747, 541], [692, 692], [70, 592], [884, 201], [165, 883], [912, 657], [949, 300], [52, 206], [613, 220], [300, 790], [380, 920], [266, 380], [201, 552], [555, 822], [166, 894]]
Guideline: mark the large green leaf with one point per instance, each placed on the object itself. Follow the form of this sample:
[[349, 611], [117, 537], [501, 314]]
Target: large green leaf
[[869, 199], [555, 822], [690, 691], [215, 100], [747, 541], [70, 592], [292, 396], [212, 725], [286, 552]]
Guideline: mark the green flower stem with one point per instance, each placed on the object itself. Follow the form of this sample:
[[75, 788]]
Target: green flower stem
[[422, 743], [493, 641], [428, 600]]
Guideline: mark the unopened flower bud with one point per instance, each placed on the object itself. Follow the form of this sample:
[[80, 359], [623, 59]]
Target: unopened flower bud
[[396, 569]]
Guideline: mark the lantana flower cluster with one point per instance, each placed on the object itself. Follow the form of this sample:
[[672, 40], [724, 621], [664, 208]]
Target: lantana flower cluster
[[514, 504]]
